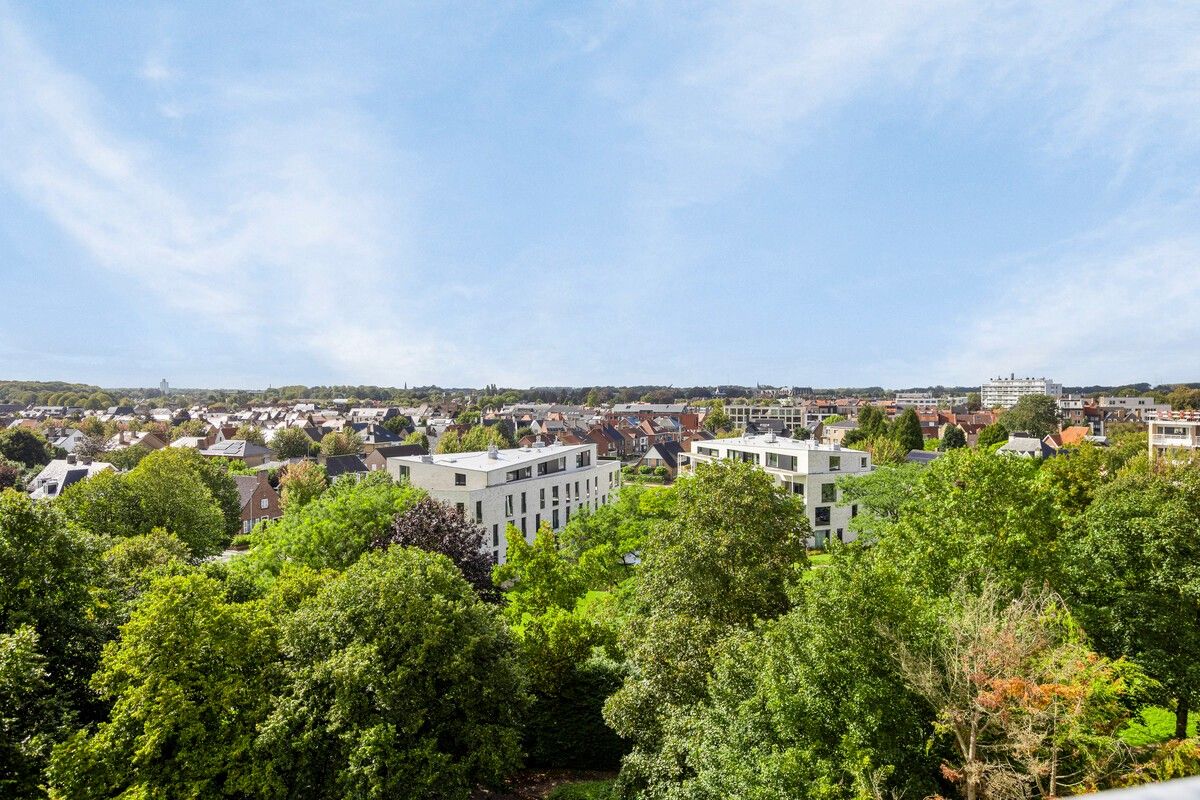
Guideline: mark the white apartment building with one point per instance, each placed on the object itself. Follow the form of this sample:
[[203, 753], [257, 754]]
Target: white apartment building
[[1005, 392], [523, 487], [1177, 433], [1144, 408], [804, 467], [924, 401]]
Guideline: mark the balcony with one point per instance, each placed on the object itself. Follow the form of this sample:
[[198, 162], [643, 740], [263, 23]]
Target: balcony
[[1161, 440]]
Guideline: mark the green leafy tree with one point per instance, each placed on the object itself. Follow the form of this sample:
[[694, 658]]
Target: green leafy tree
[[25, 447], [1035, 414], [132, 563], [333, 530], [399, 682], [992, 435], [907, 431], [189, 427], [51, 628], [418, 438], [250, 433], [301, 483], [879, 497], [872, 424], [31, 719], [126, 458], [884, 450], [290, 443], [716, 419], [813, 705], [731, 556], [398, 424], [1134, 578], [974, 401], [168, 490], [973, 513], [188, 683], [341, 443], [954, 438]]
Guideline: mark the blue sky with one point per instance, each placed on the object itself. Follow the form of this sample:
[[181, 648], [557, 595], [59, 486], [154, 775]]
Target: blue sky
[[901, 194]]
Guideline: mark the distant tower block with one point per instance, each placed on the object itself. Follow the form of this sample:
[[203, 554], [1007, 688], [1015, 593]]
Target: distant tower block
[[164, 387]]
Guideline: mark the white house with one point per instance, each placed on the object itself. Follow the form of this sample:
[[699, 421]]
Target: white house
[[61, 473], [523, 486], [804, 467], [1176, 434]]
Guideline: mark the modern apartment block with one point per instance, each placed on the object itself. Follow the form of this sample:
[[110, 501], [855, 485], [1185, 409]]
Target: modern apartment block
[[1005, 392], [1143, 408], [523, 486], [924, 401], [1177, 433], [806, 468]]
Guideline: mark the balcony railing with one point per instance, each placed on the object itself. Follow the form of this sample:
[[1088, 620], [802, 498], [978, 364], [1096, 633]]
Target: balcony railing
[[1162, 440]]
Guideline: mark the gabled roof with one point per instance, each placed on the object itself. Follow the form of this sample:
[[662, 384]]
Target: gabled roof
[[246, 484], [344, 465], [391, 450], [922, 456], [235, 448], [665, 451]]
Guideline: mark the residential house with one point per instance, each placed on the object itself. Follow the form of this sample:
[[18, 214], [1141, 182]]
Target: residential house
[[252, 454], [259, 500], [146, 439], [377, 458], [664, 454], [1174, 434], [336, 466], [61, 473], [1026, 446]]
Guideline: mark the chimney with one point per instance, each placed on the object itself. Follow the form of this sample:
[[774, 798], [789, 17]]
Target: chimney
[[71, 458], [85, 460], [493, 452]]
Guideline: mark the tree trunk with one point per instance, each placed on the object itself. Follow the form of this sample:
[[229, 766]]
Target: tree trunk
[[1181, 717]]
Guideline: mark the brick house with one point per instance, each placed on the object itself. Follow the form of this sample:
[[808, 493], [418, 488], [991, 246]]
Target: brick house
[[259, 500]]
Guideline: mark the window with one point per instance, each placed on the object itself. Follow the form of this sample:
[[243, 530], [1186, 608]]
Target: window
[[828, 492], [822, 515], [543, 498], [854, 511], [706, 451], [524, 531], [781, 461], [835, 463], [461, 509], [576, 491], [839, 535], [460, 479], [568, 518], [554, 522], [864, 462], [495, 556], [508, 505], [262, 503], [554, 497], [583, 458], [522, 502], [537, 521], [495, 536], [479, 511], [821, 537], [798, 488], [403, 472]]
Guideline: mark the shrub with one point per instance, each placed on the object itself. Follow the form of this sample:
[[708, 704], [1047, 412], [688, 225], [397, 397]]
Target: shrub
[[567, 729]]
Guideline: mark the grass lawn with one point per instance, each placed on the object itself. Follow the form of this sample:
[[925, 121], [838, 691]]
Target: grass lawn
[[586, 790], [820, 559], [1156, 725]]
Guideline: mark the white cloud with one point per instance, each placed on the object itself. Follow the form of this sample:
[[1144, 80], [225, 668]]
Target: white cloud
[[1103, 311], [285, 241]]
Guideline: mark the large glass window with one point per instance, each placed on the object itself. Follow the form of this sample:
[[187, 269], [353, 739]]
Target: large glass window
[[479, 511], [460, 479], [508, 505], [822, 515], [828, 492], [835, 463]]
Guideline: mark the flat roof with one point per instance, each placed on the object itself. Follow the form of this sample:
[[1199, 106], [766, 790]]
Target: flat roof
[[481, 461], [780, 443]]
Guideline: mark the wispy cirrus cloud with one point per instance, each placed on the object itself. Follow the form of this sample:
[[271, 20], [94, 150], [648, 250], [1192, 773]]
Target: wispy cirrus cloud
[[278, 239]]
